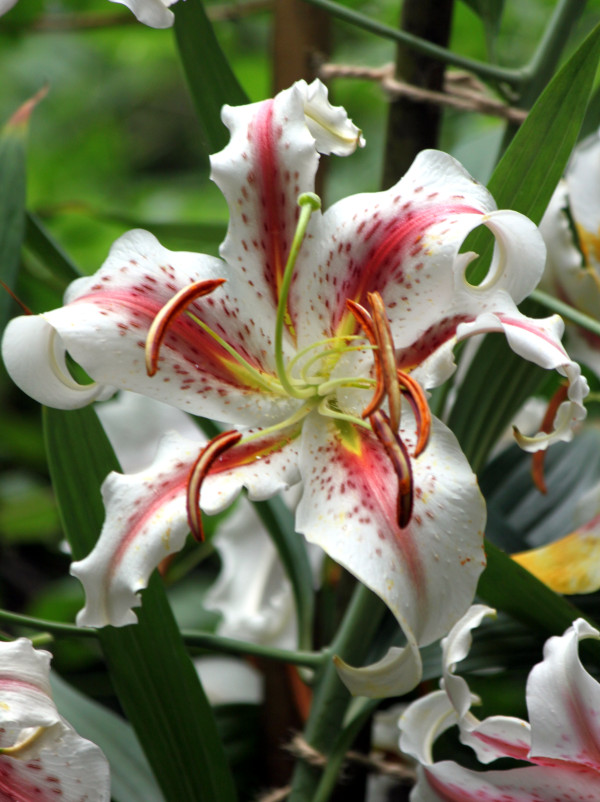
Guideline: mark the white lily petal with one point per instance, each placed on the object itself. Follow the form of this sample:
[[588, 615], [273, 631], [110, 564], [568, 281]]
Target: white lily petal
[[563, 701], [422, 722], [455, 647], [154, 13], [330, 126], [6, 5], [34, 355], [146, 521], [394, 675], [348, 507], [252, 591], [41, 755]]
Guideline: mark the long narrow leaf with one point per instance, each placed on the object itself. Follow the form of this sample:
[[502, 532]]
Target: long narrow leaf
[[209, 75], [12, 198], [153, 676], [529, 171]]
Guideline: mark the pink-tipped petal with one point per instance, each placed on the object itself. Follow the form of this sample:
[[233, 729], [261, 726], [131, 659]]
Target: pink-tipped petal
[[146, 516], [426, 573], [41, 756]]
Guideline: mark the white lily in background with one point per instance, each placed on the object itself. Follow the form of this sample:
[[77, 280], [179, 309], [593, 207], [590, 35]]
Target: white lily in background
[[561, 741], [571, 229], [154, 13], [316, 335], [41, 756]]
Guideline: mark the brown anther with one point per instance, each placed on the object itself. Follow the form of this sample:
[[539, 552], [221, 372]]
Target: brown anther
[[416, 397], [398, 456], [209, 454], [386, 354], [365, 321], [178, 304], [539, 458]]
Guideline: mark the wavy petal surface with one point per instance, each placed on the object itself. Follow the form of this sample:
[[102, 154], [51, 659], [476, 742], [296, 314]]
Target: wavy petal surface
[[539, 342], [563, 701], [404, 243], [106, 318], [146, 517], [426, 573], [41, 756]]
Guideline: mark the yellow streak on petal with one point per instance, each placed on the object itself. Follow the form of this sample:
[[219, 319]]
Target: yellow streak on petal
[[349, 437], [569, 565], [590, 244]]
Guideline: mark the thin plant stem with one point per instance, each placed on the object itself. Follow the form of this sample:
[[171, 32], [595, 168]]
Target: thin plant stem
[[332, 698], [490, 72], [202, 640]]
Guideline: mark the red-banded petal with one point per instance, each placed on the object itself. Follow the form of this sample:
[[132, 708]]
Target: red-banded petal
[[426, 573], [146, 516], [270, 160], [563, 701], [449, 782], [539, 342], [41, 755], [106, 319], [404, 244]]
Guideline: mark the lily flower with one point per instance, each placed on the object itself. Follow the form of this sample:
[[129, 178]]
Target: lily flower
[[561, 740], [41, 755], [316, 335], [571, 230]]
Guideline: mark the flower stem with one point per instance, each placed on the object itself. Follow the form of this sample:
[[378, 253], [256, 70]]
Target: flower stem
[[332, 698], [486, 71]]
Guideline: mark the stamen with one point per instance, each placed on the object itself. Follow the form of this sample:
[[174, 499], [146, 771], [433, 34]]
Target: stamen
[[539, 457], [178, 303], [415, 395], [209, 454], [387, 356], [15, 298], [365, 321], [398, 456]]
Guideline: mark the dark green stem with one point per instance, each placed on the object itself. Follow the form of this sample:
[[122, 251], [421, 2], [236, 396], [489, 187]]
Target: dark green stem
[[331, 698], [413, 125], [202, 640], [489, 72]]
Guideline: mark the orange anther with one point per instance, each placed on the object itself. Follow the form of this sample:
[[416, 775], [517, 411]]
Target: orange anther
[[209, 454], [174, 307]]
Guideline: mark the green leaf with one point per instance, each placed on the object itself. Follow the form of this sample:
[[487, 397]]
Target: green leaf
[[130, 777], [40, 242], [529, 171], [507, 586], [152, 674], [12, 198], [210, 78], [490, 13], [279, 523]]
